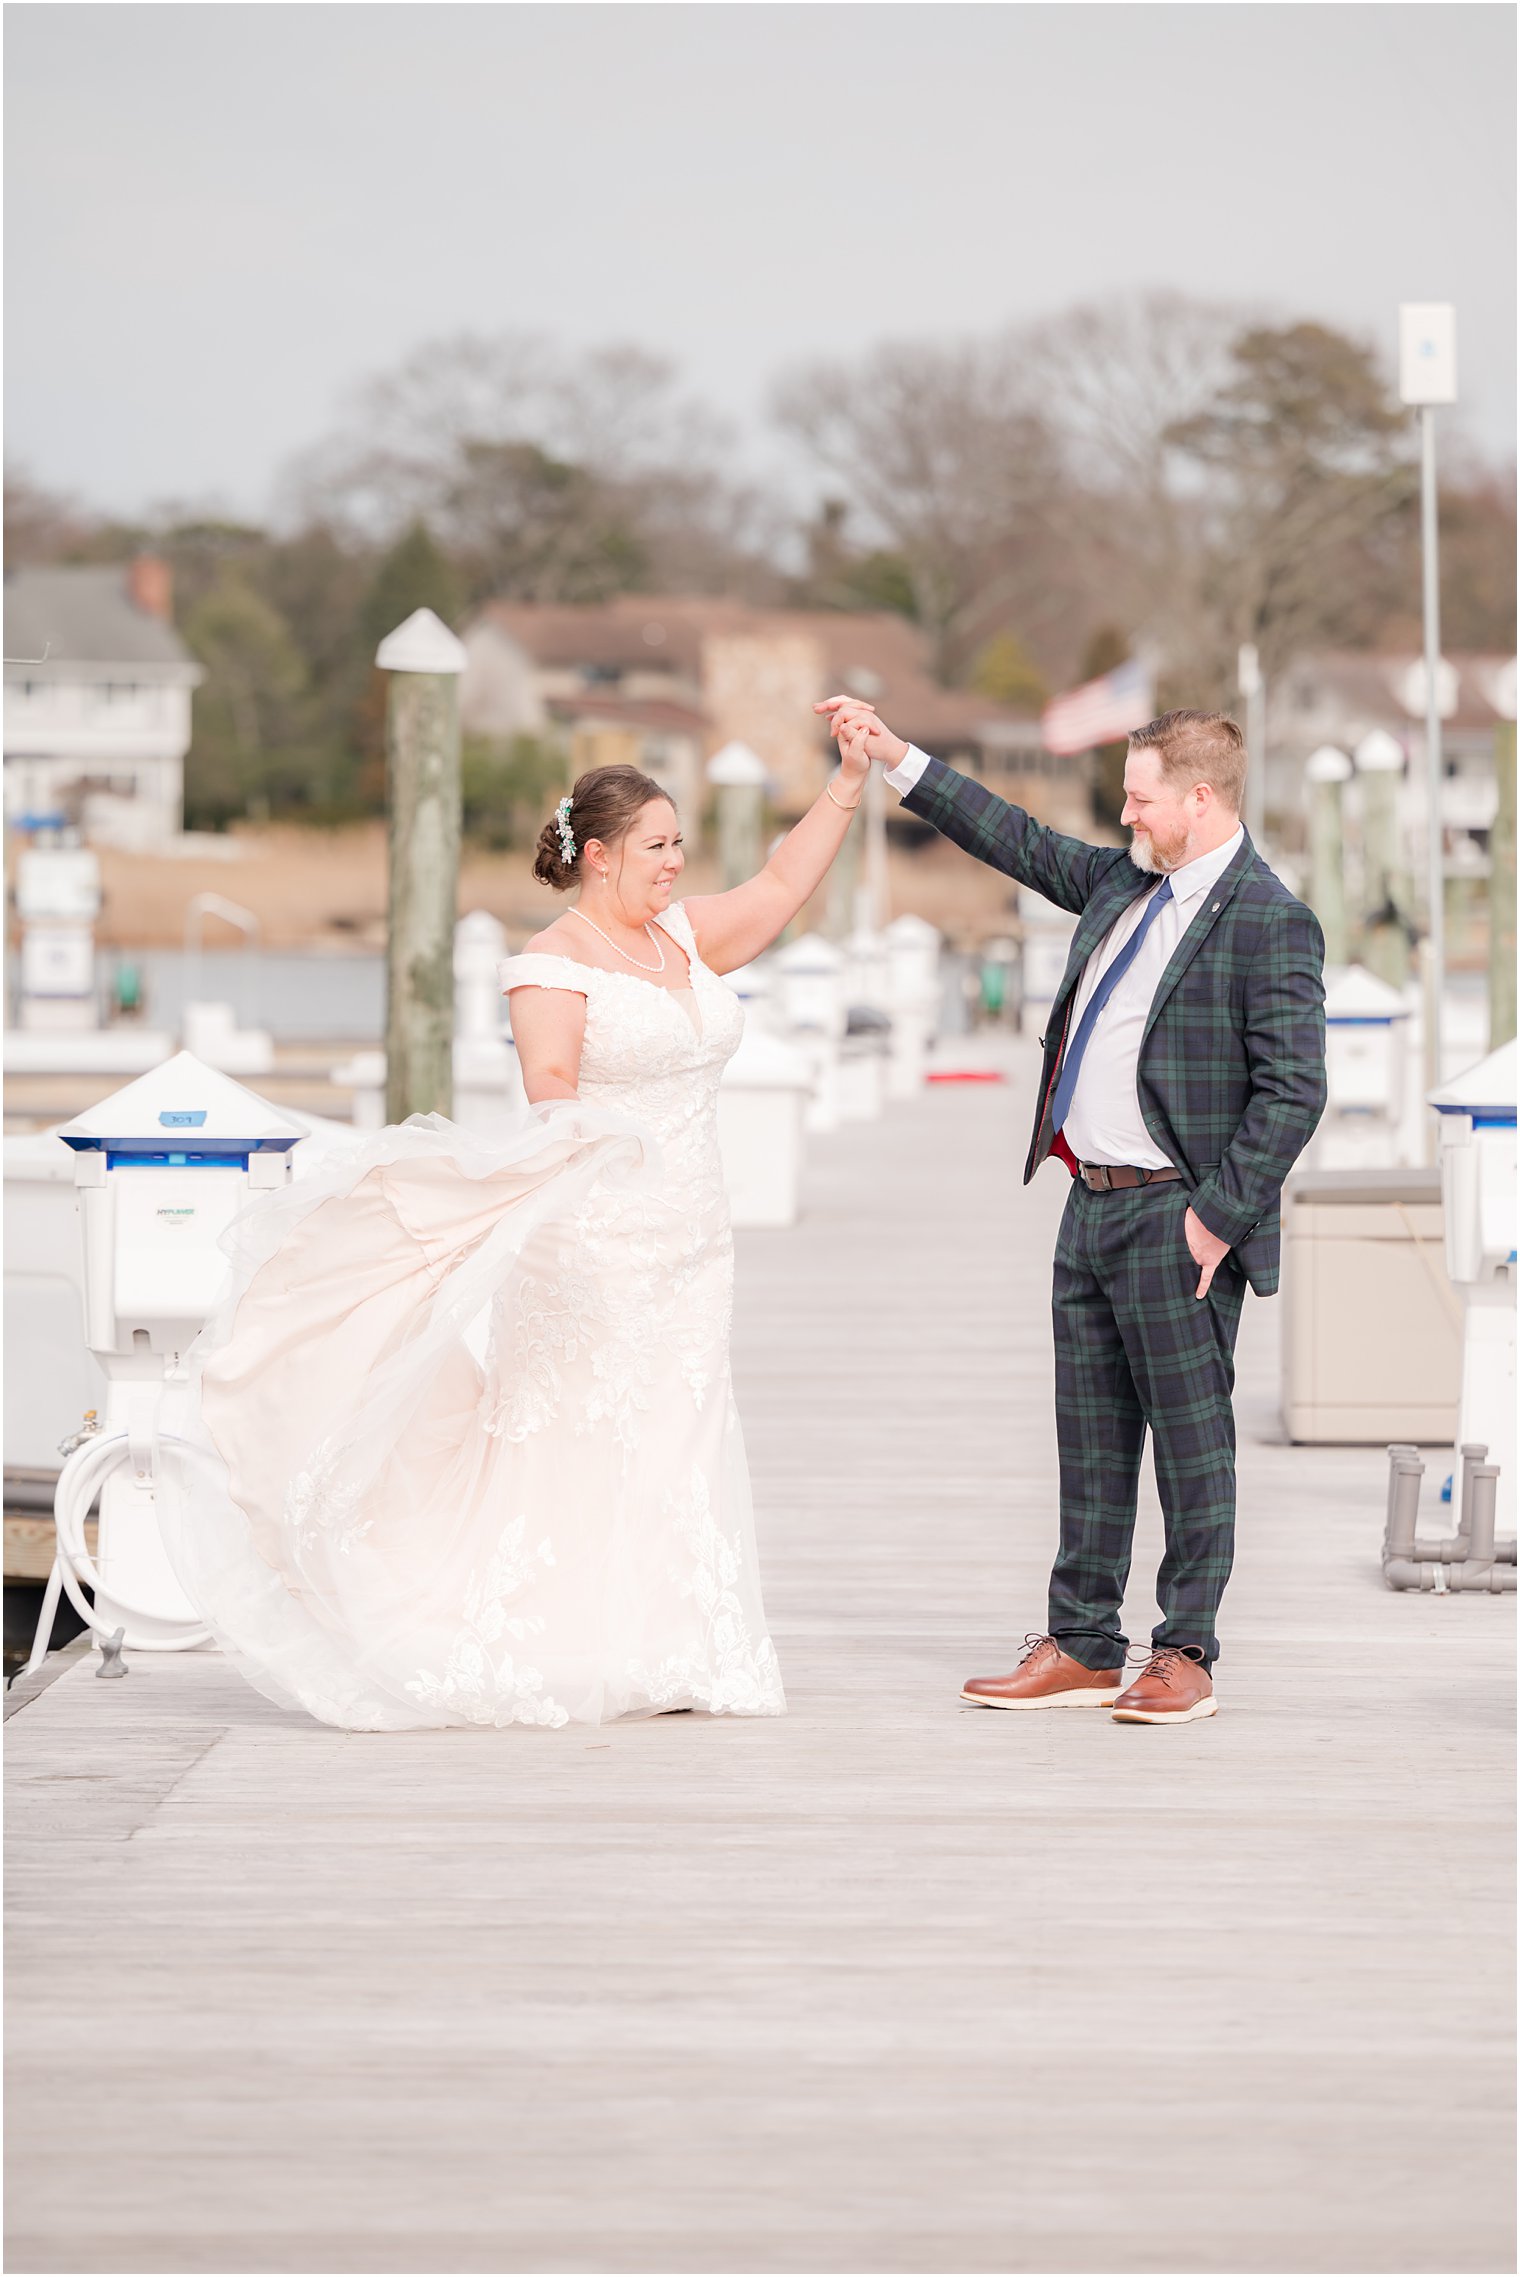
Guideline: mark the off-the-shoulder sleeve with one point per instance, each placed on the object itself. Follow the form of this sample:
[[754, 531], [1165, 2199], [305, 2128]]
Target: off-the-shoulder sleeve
[[542, 971], [677, 923]]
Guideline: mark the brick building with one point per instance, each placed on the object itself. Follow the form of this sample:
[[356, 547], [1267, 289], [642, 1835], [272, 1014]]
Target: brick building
[[665, 682]]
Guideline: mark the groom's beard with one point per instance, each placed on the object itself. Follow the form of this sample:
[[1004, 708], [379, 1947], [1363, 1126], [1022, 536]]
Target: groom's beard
[[1157, 858]]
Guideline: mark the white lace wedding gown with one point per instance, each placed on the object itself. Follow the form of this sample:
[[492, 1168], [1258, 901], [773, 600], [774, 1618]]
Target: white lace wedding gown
[[389, 1532]]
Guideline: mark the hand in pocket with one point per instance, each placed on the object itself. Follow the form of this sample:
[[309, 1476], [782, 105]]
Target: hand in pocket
[[1207, 1250]]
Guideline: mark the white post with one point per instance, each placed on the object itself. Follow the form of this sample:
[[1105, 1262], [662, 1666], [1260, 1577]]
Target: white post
[[877, 893], [739, 782], [1428, 376]]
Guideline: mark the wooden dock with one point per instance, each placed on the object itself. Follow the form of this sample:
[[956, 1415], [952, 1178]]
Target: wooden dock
[[886, 1985]]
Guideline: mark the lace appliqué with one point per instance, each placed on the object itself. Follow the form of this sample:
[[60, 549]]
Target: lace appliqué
[[318, 1507], [731, 1674], [472, 1686]]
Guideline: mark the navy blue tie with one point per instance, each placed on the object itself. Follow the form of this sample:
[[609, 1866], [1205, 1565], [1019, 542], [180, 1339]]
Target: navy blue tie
[[1071, 1066]]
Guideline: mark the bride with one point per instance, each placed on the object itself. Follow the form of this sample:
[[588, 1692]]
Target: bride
[[463, 1446]]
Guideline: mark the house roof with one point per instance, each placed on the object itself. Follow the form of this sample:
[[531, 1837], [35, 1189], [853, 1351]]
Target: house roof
[[1388, 690], [875, 653], [624, 711], [61, 621]]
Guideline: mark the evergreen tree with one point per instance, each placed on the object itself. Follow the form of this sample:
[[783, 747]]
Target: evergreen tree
[[251, 749], [1006, 673], [415, 574]]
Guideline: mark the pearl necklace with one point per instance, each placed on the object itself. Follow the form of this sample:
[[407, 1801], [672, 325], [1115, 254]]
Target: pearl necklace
[[623, 953]]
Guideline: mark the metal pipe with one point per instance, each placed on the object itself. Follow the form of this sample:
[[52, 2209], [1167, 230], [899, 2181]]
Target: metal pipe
[[1454, 1549], [1399, 1450], [197, 910], [1407, 1573], [1433, 765], [1485, 1490], [1403, 1506], [1470, 1454], [1470, 1558]]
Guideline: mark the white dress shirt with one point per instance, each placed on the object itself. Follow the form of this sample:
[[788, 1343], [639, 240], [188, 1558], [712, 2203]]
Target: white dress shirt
[[1104, 1122]]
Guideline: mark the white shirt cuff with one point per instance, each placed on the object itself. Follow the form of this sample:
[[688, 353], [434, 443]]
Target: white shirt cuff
[[905, 774]]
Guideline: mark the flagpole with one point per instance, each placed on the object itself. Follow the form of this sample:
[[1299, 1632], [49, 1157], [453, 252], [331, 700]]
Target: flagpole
[[1253, 689]]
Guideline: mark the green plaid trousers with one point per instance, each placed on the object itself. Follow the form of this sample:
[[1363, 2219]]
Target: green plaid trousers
[[1135, 1348]]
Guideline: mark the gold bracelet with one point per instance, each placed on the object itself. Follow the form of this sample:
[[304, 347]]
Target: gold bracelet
[[845, 806]]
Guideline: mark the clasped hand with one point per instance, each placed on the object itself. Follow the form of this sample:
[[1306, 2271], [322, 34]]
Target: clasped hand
[[860, 734]]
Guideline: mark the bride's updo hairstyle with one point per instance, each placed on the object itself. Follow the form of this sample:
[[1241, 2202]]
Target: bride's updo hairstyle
[[604, 804]]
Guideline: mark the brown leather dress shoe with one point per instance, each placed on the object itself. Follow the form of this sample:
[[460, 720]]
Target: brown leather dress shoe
[[1172, 1688], [1046, 1677]]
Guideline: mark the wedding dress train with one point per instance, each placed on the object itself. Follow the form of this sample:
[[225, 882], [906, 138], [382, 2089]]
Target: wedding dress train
[[389, 1531]]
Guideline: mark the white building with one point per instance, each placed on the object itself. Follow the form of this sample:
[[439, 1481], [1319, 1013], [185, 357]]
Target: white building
[[97, 703], [1341, 696]]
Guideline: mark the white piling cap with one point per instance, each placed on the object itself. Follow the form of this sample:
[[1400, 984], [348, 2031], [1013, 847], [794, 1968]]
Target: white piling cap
[[1379, 753], [1489, 1084], [767, 1063], [910, 930], [810, 952], [1358, 994], [736, 764], [203, 1108], [1498, 684], [1328, 764], [1411, 685], [423, 644], [478, 928]]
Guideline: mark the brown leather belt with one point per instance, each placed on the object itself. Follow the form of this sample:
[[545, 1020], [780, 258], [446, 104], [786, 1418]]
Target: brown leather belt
[[1118, 1177]]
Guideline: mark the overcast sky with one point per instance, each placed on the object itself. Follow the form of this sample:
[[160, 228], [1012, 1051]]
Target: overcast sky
[[222, 217]]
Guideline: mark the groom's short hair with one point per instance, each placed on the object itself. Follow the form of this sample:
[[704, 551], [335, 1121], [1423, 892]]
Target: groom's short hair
[[1197, 747]]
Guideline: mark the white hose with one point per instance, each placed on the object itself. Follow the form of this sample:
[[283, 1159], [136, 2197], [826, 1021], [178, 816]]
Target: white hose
[[80, 1480]]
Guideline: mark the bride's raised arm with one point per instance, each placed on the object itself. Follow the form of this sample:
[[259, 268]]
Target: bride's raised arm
[[733, 927]]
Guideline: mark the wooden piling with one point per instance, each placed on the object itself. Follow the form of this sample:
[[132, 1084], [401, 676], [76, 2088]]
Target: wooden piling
[[423, 806]]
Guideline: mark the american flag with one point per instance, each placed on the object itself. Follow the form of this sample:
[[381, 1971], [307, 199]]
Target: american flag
[[1100, 712]]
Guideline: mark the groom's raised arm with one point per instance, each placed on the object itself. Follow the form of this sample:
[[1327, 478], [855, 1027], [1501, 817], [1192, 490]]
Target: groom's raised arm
[[1004, 836]]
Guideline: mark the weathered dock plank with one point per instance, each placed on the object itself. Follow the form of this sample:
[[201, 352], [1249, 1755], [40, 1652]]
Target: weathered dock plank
[[885, 1985]]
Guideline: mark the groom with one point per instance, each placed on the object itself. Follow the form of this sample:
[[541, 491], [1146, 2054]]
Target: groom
[[1184, 1073]]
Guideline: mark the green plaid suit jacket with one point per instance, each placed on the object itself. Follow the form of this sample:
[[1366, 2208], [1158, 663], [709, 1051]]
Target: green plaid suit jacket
[[1231, 1079]]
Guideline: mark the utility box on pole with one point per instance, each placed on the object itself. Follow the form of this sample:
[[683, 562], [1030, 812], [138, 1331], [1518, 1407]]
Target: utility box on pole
[[423, 801]]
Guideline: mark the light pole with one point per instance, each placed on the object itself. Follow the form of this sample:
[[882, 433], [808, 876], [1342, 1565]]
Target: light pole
[[1383, 942], [1428, 376], [1327, 772], [1253, 690], [739, 781]]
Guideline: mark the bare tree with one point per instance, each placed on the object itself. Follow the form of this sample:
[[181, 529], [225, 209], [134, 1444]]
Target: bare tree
[[41, 526], [1121, 376], [551, 475], [944, 453]]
